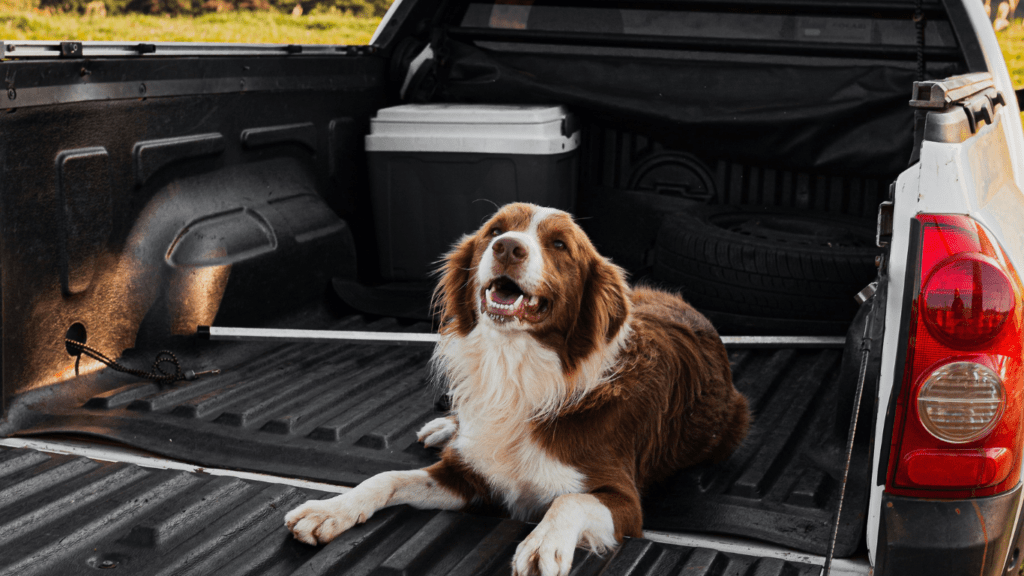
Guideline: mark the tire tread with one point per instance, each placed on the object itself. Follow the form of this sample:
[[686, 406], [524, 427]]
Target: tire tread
[[722, 270]]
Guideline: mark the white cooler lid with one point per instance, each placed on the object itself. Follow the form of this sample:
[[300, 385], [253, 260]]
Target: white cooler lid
[[480, 128]]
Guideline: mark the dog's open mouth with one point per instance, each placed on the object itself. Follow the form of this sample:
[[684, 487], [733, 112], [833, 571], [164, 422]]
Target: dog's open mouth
[[504, 301]]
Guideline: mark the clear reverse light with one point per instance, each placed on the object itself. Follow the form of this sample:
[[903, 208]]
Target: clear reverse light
[[961, 402]]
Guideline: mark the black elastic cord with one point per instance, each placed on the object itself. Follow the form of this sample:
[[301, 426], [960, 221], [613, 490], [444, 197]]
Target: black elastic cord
[[919, 114], [158, 374], [919, 22], [865, 355]]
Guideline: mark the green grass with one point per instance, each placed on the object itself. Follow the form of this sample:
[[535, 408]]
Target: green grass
[[1011, 40], [256, 27]]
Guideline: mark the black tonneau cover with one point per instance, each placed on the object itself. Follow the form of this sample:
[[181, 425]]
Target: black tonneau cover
[[804, 86]]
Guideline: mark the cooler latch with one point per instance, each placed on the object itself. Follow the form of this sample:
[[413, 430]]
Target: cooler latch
[[570, 125]]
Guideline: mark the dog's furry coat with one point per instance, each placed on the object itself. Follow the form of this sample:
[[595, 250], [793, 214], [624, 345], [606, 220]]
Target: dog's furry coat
[[571, 393]]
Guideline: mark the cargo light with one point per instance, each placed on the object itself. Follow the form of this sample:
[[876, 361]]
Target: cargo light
[[957, 428]]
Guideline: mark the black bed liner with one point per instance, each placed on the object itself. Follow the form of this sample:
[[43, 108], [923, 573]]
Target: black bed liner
[[340, 413], [72, 515]]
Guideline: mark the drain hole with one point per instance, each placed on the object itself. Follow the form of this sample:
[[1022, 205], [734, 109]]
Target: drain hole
[[77, 333]]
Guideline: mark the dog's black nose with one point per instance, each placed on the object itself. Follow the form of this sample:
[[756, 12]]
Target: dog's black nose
[[510, 251]]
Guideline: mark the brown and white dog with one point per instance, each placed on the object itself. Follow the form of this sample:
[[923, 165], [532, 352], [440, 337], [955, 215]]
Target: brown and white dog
[[571, 393]]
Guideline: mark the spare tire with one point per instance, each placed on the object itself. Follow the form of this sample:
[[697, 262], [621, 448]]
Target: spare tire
[[767, 262]]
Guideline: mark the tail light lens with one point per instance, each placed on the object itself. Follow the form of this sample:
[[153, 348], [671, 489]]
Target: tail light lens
[[966, 301], [957, 428]]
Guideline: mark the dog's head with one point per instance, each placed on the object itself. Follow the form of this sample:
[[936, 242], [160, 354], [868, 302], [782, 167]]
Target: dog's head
[[533, 269]]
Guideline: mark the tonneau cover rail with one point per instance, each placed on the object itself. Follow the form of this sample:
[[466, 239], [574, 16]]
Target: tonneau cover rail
[[98, 49]]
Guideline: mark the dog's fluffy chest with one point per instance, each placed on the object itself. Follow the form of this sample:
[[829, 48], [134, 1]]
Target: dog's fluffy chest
[[521, 472], [500, 381]]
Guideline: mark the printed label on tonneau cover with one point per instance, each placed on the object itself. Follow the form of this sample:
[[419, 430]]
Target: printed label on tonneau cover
[[846, 30]]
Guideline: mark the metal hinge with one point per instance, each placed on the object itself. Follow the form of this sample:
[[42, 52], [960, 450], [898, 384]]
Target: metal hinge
[[70, 49], [883, 233]]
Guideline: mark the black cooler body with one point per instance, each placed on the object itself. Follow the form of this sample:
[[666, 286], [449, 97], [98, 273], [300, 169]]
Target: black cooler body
[[439, 170]]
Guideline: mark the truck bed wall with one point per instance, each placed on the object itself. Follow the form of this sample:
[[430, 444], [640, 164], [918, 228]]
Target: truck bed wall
[[140, 197]]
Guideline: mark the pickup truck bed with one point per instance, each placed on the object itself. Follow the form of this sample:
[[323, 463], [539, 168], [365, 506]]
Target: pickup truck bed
[[144, 195], [341, 413], [77, 515]]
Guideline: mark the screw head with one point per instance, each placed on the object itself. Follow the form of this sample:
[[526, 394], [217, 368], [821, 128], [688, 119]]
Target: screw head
[[108, 564], [142, 88], [11, 94]]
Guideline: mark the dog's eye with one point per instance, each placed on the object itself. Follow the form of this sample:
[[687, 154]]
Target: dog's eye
[[559, 244], [495, 231]]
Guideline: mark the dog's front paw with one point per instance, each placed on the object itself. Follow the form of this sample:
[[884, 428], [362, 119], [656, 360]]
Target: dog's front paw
[[547, 551], [320, 521], [437, 432]]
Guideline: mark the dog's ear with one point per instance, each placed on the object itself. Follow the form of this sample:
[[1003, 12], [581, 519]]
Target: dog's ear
[[454, 298], [604, 307], [607, 295]]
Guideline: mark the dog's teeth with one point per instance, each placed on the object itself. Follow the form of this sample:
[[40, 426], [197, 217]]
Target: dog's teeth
[[518, 300], [489, 299], [533, 301]]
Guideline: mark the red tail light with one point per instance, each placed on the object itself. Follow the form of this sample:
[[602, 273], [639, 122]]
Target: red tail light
[[957, 428]]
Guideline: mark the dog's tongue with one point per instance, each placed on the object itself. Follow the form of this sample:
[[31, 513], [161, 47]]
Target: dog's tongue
[[502, 297], [503, 302]]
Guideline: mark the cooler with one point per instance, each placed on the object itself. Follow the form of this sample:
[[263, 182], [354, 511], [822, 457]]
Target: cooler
[[437, 171]]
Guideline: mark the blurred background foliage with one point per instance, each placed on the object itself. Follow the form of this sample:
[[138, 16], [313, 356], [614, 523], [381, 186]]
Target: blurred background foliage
[[349, 22], [103, 8]]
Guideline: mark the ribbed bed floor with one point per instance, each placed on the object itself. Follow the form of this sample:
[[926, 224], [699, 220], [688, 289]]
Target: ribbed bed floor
[[72, 515], [340, 413]]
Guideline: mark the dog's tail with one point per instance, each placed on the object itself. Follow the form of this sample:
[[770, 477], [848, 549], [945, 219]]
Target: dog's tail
[[735, 429]]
